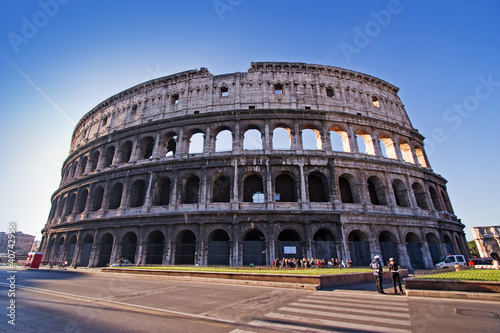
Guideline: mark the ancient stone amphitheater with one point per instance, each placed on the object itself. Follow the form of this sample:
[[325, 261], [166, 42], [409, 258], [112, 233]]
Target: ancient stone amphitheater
[[285, 160]]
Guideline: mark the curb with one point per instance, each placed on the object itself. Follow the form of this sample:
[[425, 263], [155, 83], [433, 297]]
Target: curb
[[464, 295]]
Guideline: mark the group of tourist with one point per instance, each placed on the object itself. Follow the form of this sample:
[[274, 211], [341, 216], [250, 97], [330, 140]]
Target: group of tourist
[[310, 263]]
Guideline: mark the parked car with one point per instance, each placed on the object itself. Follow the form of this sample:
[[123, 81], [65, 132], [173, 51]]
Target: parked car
[[121, 263], [451, 261]]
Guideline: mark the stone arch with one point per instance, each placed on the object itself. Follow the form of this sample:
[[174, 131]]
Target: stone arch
[[285, 188], [218, 248], [87, 244], [252, 139], [105, 248], [145, 148], [94, 160], [348, 188], [446, 201], [359, 248], [388, 246], [317, 185], [196, 142], [448, 245], [324, 245], [185, 248], [406, 152], [107, 158], [70, 204], [71, 249], [137, 193], [420, 196], [289, 244], [115, 196], [223, 140], [366, 140], [376, 191], [155, 246], [97, 197], [435, 199], [191, 189], [400, 193], [433, 243], [221, 188], [387, 147], [254, 248], [339, 139], [83, 165], [125, 153], [162, 191], [169, 144], [311, 139], [253, 188], [60, 249], [282, 138], [129, 246], [421, 157], [414, 250], [81, 201]]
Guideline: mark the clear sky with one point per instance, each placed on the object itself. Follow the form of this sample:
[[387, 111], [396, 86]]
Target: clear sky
[[60, 58]]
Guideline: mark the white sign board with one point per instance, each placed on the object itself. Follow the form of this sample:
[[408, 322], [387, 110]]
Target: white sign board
[[289, 250]]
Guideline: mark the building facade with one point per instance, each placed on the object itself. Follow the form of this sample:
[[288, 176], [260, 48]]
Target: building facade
[[487, 240], [285, 160], [20, 244]]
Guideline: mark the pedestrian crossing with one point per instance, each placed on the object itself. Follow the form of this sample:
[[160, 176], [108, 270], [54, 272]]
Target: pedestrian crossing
[[337, 312]]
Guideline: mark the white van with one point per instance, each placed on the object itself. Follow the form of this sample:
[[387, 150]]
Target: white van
[[451, 261]]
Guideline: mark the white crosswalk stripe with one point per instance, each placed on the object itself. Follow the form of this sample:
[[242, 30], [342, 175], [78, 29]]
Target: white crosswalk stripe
[[331, 312]]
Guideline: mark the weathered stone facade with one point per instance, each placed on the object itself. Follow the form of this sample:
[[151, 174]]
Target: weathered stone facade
[[487, 240], [286, 160]]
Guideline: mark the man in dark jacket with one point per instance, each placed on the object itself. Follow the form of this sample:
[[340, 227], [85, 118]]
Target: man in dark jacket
[[394, 269], [376, 265]]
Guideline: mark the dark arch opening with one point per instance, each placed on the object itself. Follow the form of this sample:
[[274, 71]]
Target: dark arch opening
[[125, 152], [221, 189], [388, 246], [414, 251], [218, 248], [162, 190], [82, 201], [433, 243], [254, 248], [87, 244], [137, 193], [97, 199], [253, 189], [108, 157], [185, 248], [129, 246], [71, 249], [318, 188], [115, 196], [359, 248], [192, 189], [289, 244], [105, 247], [345, 190], [155, 246], [324, 245]]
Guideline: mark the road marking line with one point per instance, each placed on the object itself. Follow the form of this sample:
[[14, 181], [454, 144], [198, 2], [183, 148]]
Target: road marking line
[[372, 296], [354, 300], [352, 310], [356, 304], [347, 316], [335, 324], [288, 327], [240, 331]]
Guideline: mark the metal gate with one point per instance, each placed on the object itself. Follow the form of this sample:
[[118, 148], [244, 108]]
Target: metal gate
[[449, 249], [184, 253], [433, 248], [128, 251], [389, 250], [59, 252], [154, 254], [415, 254], [325, 250], [218, 253], [85, 257], [105, 254], [71, 250], [290, 249], [254, 252], [360, 253]]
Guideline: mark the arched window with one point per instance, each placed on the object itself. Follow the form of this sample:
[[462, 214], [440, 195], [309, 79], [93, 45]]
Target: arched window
[[162, 190], [435, 199], [311, 139], [420, 157], [137, 193], [115, 196], [285, 189], [83, 165], [185, 248], [108, 157], [169, 144], [196, 143], [388, 246], [347, 187], [221, 189], [420, 196], [278, 89], [406, 152], [318, 187], [282, 138], [340, 140], [376, 190], [387, 147], [224, 141], [253, 189], [191, 190], [82, 201], [365, 143], [400, 193], [252, 140], [129, 246], [70, 204], [125, 152], [146, 148], [97, 197], [94, 160]]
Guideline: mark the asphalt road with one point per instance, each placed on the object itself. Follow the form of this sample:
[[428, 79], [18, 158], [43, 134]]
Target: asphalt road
[[65, 301]]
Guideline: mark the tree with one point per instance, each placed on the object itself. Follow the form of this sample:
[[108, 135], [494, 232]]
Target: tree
[[473, 249]]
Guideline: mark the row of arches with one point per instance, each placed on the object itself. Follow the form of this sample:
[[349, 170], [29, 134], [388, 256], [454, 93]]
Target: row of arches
[[168, 144], [252, 247], [164, 190]]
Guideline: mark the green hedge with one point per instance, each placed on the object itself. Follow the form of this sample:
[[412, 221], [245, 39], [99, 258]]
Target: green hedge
[[470, 274], [305, 271]]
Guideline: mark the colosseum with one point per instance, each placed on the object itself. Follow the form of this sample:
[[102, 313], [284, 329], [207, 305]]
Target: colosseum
[[285, 160]]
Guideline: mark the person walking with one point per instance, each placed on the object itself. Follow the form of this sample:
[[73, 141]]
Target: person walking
[[376, 265], [394, 269]]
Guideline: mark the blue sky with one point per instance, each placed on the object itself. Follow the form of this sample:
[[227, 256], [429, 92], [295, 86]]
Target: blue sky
[[60, 58]]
